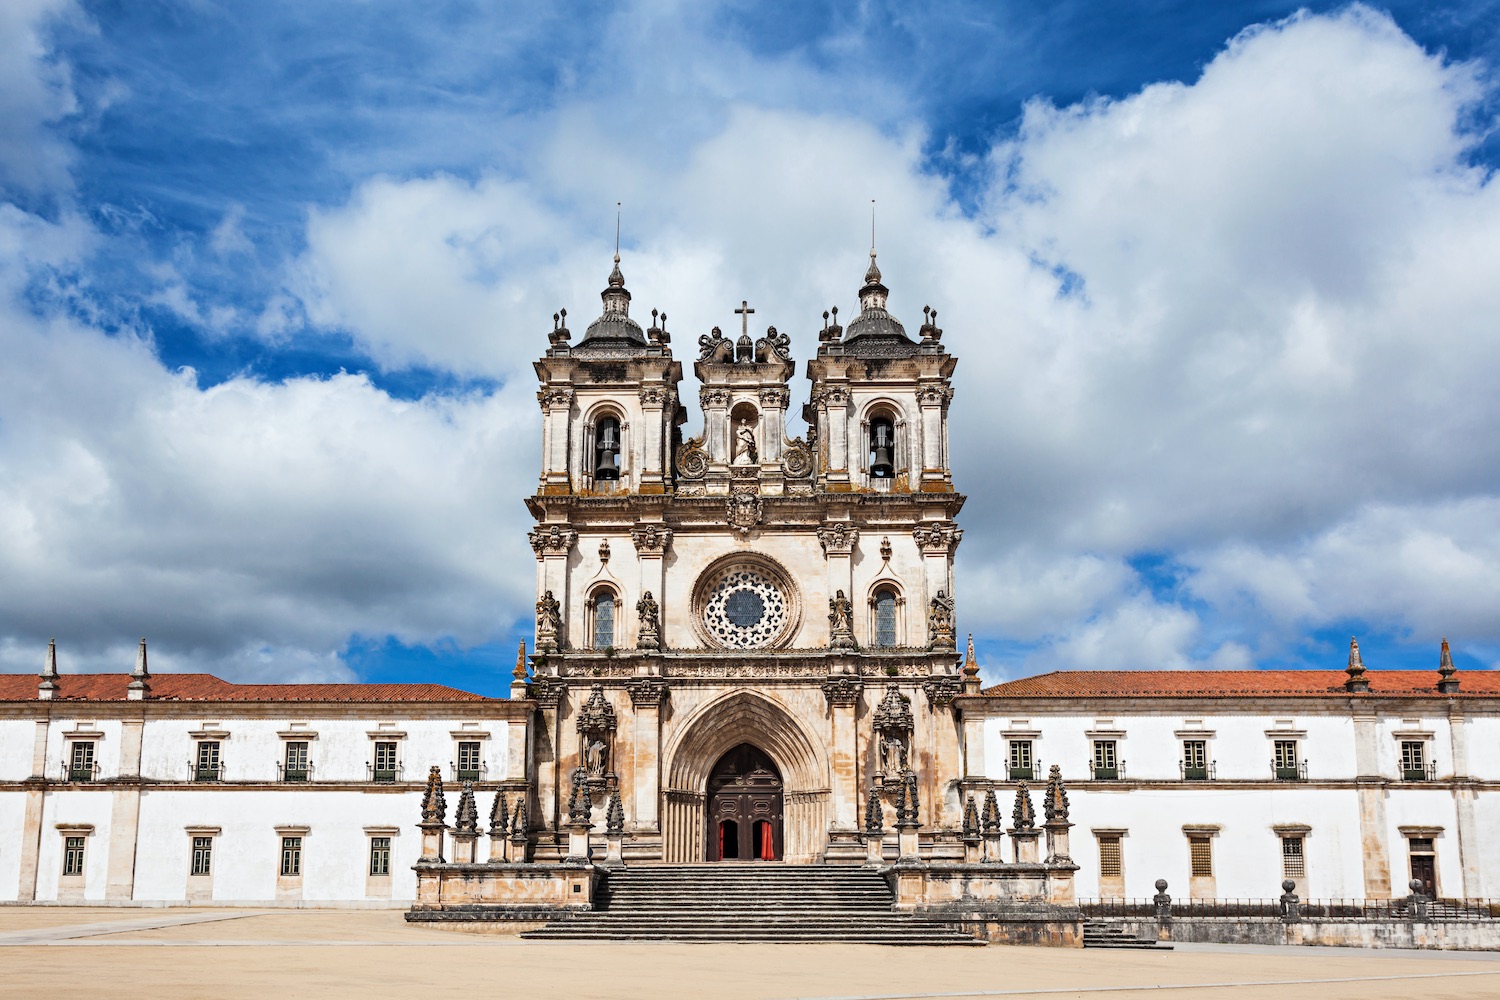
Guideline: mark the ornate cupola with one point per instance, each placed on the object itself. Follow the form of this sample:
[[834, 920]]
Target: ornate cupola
[[614, 332], [873, 320]]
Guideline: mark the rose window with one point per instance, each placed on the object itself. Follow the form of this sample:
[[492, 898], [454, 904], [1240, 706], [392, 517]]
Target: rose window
[[744, 608]]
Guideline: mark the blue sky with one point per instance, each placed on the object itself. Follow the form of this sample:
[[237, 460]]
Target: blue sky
[[273, 274]]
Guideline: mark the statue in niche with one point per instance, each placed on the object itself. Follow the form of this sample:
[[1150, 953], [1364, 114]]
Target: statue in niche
[[596, 757], [649, 635], [548, 622], [744, 446], [892, 757], [841, 621]]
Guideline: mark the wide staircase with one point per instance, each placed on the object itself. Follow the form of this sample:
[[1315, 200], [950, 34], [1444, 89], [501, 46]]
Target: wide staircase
[[809, 904], [1101, 934]]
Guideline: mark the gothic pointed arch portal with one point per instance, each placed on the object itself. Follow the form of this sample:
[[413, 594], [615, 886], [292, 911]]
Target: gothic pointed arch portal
[[705, 749]]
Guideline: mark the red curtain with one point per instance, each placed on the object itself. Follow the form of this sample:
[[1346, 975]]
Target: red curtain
[[767, 845], [721, 840]]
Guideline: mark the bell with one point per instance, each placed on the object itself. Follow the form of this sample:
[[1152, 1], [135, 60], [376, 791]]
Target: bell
[[882, 466], [609, 455]]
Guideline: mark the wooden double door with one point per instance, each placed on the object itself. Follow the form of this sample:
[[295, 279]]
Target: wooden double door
[[745, 807]]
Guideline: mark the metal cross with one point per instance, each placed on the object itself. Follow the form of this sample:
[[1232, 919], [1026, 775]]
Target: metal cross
[[743, 312]]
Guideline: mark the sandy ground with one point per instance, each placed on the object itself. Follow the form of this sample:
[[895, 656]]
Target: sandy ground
[[314, 953]]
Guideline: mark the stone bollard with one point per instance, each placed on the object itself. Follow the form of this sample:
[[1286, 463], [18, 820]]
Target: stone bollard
[[1163, 904], [1291, 909], [1416, 904]]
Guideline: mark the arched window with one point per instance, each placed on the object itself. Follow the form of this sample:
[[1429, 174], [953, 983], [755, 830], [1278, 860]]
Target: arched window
[[885, 617], [882, 448], [606, 449], [604, 619]]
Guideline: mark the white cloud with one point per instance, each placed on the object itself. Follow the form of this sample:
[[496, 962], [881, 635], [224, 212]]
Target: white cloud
[[35, 91]]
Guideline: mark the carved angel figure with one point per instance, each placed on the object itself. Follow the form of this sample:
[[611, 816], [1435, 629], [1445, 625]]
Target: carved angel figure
[[744, 448]]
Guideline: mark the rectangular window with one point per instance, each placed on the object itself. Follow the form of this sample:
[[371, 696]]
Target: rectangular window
[[380, 855], [1413, 762], [291, 856], [1201, 852], [73, 856], [1110, 862], [385, 761], [1292, 864], [1195, 760], [1106, 762], [468, 761], [1284, 760], [1021, 764], [203, 856], [81, 761], [208, 761], [296, 761]]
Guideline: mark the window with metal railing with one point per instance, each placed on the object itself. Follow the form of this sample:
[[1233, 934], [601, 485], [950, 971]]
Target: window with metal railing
[[469, 767], [81, 761], [386, 769], [1414, 763], [1106, 764], [295, 766], [1284, 765], [1022, 762], [1195, 762], [209, 766]]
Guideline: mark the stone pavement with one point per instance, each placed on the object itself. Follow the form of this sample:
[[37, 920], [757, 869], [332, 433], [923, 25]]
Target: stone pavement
[[48, 951]]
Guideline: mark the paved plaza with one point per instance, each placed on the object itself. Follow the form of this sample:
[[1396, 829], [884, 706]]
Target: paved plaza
[[374, 953]]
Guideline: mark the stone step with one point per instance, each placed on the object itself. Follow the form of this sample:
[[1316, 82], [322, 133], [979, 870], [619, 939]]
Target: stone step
[[1101, 935]]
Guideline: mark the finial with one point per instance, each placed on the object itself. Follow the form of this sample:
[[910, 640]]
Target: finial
[[140, 678], [47, 686], [520, 672], [617, 232], [1447, 682], [872, 229], [1357, 680], [971, 665]]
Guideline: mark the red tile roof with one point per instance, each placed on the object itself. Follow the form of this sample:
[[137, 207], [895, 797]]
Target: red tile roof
[[207, 687], [1231, 683]]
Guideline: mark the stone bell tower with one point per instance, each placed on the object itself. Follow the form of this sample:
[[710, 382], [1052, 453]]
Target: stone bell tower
[[745, 641]]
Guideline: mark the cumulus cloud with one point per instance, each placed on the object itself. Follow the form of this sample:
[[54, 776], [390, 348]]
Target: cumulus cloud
[[1241, 325], [36, 91]]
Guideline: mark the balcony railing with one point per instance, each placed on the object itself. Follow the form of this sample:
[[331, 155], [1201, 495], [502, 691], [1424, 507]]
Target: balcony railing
[[1027, 773], [205, 772], [1292, 772], [73, 772], [1207, 773], [468, 773], [1428, 773], [294, 774], [1098, 773], [384, 775]]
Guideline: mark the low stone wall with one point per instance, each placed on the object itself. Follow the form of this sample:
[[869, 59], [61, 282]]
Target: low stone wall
[[505, 891], [1038, 924], [1444, 935]]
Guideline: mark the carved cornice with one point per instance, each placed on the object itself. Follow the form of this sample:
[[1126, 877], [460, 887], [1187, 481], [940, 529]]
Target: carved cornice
[[843, 691], [833, 395], [552, 399], [934, 394], [713, 398], [548, 691], [652, 538], [941, 691], [937, 536], [775, 398], [647, 692], [658, 397], [552, 538], [837, 537]]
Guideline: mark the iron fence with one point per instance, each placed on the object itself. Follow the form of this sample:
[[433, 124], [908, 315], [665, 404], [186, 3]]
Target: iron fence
[[1375, 910]]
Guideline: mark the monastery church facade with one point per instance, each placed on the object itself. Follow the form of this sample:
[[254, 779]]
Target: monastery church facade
[[746, 651]]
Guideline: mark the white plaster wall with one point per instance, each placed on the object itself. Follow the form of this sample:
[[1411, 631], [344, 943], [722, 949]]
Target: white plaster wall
[[12, 826], [106, 750], [17, 737], [91, 807], [1247, 850], [247, 853], [1411, 804], [1483, 745], [1439, 748]]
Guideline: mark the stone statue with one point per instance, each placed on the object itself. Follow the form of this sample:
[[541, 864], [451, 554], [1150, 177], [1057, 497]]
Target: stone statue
[[594, 755], [649, 634], [744, 448], [841, 621], [548, 623], [892, 757], [940, 634]]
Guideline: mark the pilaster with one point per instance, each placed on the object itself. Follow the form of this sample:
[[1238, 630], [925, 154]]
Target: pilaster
[[647, 695], [843, 695]]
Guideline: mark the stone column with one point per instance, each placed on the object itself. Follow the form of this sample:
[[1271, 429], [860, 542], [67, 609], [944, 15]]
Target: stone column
[[933, 398], [838, 539], [652, 540], [557, 405], [836, 403], [943, 740], [938, 542], [773, 400], [547, 748], [125, 814], [843, 694], [1470, 847], [654, 401], [552, 543], [647, 695], [31, 822], [1370, 788]]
